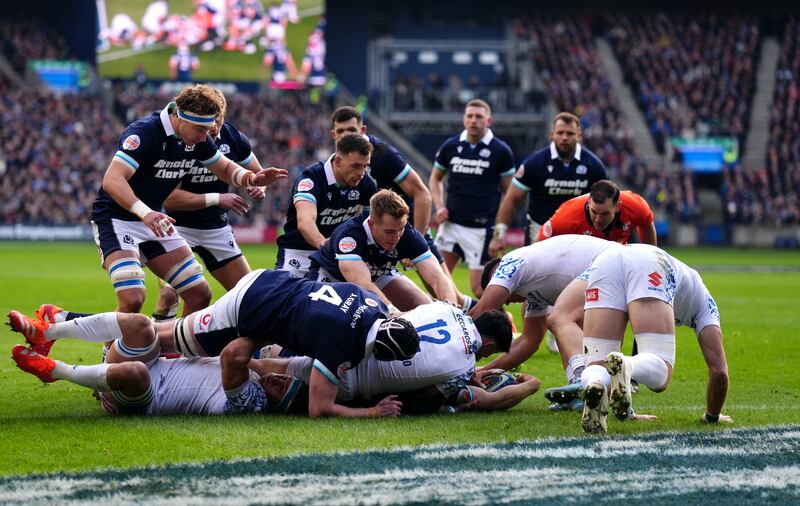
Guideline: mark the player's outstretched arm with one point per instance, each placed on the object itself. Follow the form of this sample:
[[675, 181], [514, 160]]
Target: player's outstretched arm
[[511, 199], [523, 347], [436, 185], [356, 271], [115, 183], [710, 339], [322, 402], [504, 398], [236, 175], [415, 188], [307, 223], [181, 200], [494, 296], [431, 272]]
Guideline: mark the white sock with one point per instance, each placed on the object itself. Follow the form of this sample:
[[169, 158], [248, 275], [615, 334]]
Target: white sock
[[468, 304], [90, 376], [596, 372], [649, 370], [96, 328], [575, 363]]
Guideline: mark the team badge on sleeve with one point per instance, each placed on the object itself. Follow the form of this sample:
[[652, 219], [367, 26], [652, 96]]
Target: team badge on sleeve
[[131, 143], [305, 184], [347, 244], [592, 295], [371, 302], [507, 268]]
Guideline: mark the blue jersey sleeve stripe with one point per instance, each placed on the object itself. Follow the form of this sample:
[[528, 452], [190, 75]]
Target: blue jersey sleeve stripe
[[400, 177], [439, 166], [422, 257], [214, 159], [509, 172], [348, 257], [125, 264], [180, 269], [304, 196], [247, 160], [519, 185], [325, 372], [126, 159]]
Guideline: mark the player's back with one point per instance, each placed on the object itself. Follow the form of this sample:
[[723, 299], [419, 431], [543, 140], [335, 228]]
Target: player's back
[[448, 343], [185, 386]]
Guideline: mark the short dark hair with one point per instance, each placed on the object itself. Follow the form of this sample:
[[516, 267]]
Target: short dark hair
[[345, 113], [568, 118], [476, 102], [494, 324], [353, 142], [603, 190], [488, 271]]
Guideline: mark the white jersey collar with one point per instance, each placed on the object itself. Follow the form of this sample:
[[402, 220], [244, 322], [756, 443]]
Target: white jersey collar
[[554, 151], [165, 121], [486, 139], [329, 175], [370, 239]]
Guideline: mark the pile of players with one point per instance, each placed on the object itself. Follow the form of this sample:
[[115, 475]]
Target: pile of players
[[352, 329]]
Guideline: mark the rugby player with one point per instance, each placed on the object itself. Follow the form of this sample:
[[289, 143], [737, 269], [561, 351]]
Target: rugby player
[[366, 249], [265, 307], [154, 154], [200, 205], [478, 166], [549, 177], [604, 212], [325, 195], [540, 275], [392, 172], [656, 292]]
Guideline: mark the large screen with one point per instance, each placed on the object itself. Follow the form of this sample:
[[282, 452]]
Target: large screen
[[219, 40]]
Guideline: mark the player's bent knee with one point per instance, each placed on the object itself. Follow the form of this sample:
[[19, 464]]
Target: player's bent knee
[[130, 301], [186, 274]]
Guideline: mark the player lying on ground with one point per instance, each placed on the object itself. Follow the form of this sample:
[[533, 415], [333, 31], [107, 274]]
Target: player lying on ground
[[450, 343], [266, 307]]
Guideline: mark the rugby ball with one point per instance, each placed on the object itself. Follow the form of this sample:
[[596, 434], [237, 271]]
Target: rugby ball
[[494, 382]]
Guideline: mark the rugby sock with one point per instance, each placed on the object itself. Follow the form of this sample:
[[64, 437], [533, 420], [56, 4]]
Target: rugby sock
[[649, 369], [97, 328], [90, 376], [575, 367], [595, 372], [468, 303], [71, 315], [165, 316]]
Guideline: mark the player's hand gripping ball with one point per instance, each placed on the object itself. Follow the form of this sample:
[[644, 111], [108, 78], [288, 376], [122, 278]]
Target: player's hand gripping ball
[[494, 382]]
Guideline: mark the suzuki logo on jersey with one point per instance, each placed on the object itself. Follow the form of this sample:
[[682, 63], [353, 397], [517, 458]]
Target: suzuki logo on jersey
[[565, 187], [655, 279], [592, 295], [460, 165]]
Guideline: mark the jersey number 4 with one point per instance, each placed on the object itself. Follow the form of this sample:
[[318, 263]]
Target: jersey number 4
[[327, 294]]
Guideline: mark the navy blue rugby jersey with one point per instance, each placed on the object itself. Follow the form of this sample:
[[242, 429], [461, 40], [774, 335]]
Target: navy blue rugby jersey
[[335, 204], [236, 146], [473, 193], [389, 169], [353, 241], [159, 159], [327, 321], [549, 183]]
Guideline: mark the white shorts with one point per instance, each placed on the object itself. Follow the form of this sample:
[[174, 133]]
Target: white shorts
[[206, 332], [619, 276], [296, 261], [115, 235], [216, 246], [470, 243]]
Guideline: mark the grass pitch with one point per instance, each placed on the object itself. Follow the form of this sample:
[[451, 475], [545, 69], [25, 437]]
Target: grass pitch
[[60, 427]]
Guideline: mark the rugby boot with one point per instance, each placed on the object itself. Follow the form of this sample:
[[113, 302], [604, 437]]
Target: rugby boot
[[47, 313], [33, 363], [563, 394], [620, 396], [595, 409], [33, 330]]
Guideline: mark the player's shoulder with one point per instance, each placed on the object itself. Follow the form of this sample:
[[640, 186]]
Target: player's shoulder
[[498, 145], [538, 157], [451, 142]]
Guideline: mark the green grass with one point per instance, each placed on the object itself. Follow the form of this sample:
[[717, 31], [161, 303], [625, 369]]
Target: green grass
[[60, 427], [217, 65]]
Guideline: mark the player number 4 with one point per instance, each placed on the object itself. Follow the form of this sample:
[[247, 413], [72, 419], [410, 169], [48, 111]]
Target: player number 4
[[327, 294]]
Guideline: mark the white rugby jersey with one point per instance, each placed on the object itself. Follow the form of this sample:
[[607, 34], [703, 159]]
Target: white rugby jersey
[[448, 343], [184, 386], [541, 271]]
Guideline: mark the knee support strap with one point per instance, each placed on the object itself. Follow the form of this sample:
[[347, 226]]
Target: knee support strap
[[661, 345], [597, 349], [186, 274], [126, 273]]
